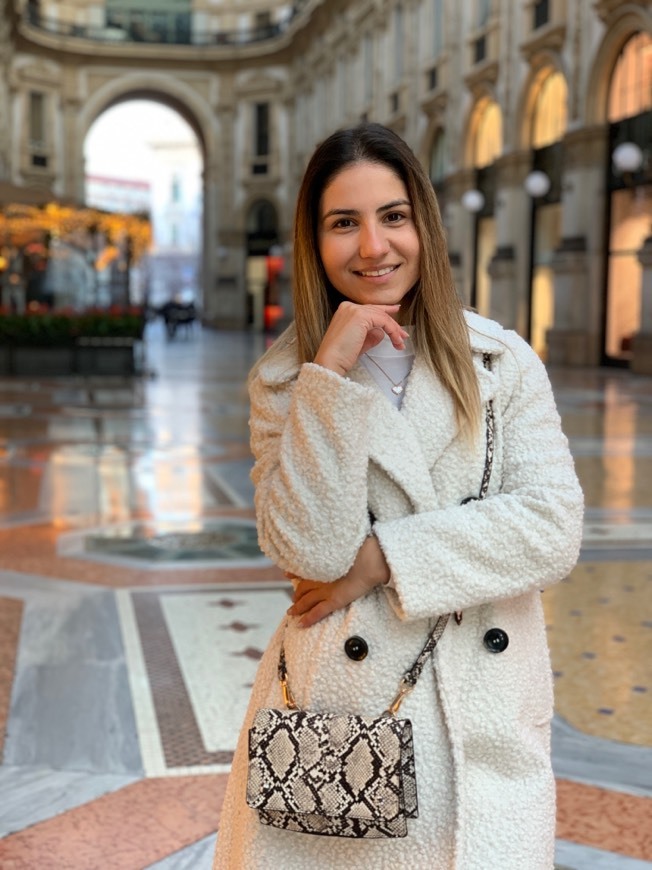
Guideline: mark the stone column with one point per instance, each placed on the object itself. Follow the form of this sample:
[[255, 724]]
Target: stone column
[[226, 304], [642, 342], [210, 252], [509, 266], [574, 338], [571, 344], [503, 301], [459, 224]]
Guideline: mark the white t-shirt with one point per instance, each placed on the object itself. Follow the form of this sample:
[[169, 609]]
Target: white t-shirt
[[390, 367]]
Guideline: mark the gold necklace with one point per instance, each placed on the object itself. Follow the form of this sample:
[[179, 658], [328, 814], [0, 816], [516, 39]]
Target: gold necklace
[[397, 386]]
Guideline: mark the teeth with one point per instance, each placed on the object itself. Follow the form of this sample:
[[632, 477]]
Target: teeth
[[378, 272]]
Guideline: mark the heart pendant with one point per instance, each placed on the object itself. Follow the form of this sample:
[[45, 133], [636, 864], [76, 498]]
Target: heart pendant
[[397, 389]]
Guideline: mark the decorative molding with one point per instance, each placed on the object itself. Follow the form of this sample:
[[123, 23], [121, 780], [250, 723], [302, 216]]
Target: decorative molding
[[512, 168], [585, 147], [550, 37], [606, 9], [260, 86], [435, 103], [482, 75]]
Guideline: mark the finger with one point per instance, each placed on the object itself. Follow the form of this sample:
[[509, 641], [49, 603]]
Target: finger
[[310, 599], [387, 323], [304, 586], [316, 614]]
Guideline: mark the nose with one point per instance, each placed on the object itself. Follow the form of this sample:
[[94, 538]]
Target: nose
[[373, 241]]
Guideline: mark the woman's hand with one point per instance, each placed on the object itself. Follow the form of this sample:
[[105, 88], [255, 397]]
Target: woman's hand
[[314, 600], [355, 329]]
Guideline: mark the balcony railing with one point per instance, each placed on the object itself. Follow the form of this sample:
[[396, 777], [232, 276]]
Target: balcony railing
[[160, 28]]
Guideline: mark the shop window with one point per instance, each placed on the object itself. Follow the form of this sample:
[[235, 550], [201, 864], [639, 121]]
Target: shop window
[[631, 211]]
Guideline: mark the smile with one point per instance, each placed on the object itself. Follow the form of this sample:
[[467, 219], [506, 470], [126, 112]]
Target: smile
[[377, 273]]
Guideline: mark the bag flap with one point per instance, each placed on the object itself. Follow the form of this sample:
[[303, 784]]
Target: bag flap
[[329, 764]]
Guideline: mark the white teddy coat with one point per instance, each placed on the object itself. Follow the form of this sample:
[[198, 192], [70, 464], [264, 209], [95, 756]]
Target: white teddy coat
[[327, 450]]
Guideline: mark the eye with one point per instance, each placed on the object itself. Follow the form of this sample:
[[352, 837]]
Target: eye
[[394, 217], [344, 223]]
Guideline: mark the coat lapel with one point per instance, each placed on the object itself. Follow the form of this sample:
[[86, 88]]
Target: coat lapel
[[406, 444]]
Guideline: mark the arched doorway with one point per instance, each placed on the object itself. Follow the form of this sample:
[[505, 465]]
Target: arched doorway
[[630, 195], [142, 156], [262, 266], [177, 95]]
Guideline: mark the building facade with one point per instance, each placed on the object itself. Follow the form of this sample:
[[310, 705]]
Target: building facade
[[533, 118]]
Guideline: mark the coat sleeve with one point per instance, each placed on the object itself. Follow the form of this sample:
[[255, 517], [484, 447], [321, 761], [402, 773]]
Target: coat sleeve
[[310, 449], [524, 537]]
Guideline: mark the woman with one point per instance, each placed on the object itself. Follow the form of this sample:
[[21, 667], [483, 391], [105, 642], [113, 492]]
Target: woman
[[368, 432]]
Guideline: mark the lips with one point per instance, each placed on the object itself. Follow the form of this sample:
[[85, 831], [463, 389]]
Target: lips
[[376, 273]]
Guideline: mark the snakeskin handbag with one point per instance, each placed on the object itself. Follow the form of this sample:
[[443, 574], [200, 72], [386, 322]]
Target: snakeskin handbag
[[336, 774], [342, 775]]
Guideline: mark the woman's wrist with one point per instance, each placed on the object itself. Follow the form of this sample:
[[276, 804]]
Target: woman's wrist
[[325, 363]]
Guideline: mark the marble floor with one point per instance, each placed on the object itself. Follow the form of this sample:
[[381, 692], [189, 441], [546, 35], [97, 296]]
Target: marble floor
[[135, 605]]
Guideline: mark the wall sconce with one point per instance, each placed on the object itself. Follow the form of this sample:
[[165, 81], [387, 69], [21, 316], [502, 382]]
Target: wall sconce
[[537, 184], [473, 200], [627, 157]]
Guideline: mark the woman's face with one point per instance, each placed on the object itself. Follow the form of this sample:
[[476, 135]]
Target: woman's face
[[368, 242]]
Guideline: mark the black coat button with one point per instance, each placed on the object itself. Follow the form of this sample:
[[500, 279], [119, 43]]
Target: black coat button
[[496, 640], [356, 648]]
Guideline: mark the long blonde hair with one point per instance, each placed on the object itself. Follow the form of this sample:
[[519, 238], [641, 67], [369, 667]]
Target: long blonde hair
[[440, 333]]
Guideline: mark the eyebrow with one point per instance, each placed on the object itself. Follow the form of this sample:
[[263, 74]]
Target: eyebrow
[[352, 211]]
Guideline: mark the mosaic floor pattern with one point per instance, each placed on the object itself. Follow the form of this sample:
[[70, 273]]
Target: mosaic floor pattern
[[135, 606]]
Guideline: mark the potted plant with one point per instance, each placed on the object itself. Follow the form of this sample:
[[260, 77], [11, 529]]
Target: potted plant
[[93, 341]]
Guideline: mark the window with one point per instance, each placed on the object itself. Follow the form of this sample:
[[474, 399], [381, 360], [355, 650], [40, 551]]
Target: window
[[488, 143], [483, 10], [438, 27], [550, 111], [631, 83], [36, 120], [541, 13], [261, 129], [479, 49]]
